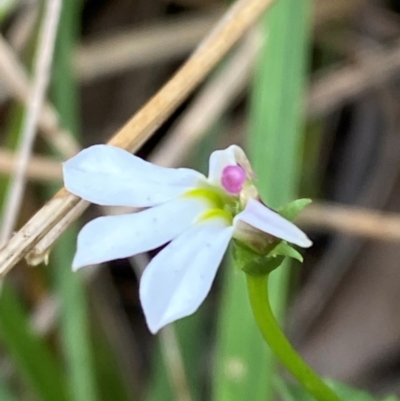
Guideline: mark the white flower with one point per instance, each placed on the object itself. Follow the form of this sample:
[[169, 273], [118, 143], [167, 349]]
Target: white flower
[[199, 215]]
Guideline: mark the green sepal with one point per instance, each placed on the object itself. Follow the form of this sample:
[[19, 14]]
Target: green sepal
[[254, 263], [284, 249], [292, 209]]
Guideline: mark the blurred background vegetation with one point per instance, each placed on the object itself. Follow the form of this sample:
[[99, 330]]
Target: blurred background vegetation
[[316, 106]]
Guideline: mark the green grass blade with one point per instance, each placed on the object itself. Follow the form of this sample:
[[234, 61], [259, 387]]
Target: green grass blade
[[74, 321], [75, 329], [11, 139], [5, 393], [244, 365], [29, 352], [111, 385], [6, 6]]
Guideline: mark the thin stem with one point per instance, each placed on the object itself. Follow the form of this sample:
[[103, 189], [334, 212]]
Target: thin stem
[[211, 102], [41, 79], [15, 78], [39, 168], [273, 335]]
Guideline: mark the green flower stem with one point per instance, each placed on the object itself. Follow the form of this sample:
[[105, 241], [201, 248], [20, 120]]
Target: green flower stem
[[259, 299]]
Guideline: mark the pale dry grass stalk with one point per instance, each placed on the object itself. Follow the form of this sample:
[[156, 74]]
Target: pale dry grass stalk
[[327, 10], [39, 168], [173, 359], [15, 80], [174, 38], [157, 43], [23, 25], [351, 220], [339, 85], [211, 102], [235, 22], [48, 33]]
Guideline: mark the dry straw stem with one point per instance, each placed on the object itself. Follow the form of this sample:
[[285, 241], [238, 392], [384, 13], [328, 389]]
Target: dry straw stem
[[328, 10], [326, 93], [239, 17], [172, 355], [141, 47], [160, 42], [42, 72], [39, 168], [15, 80], [211, 102], [361, 222], [342, 84]]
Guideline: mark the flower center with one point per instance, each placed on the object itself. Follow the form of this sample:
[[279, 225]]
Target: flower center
[[233, 178]]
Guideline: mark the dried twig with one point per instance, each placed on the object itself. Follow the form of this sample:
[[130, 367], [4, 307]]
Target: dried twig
[[141, 47], [172, 355], [326, 93], [39, 168], [15, 79], [343, 84], [351, 220], [161, 42], [327, 10], [209, 104], [23, 25], [139, 128], [44, 58]]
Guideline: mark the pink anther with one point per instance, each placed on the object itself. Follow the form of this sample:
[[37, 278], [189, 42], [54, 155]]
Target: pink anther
[[233, 178]]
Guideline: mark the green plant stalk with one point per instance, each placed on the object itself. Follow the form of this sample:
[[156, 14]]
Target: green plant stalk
[[258, 292], [74, 320], [29, 352]]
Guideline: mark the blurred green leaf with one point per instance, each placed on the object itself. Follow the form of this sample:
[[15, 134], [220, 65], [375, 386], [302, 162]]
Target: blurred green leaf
[[6, 7], [13, 129], [74, 318], [28, 351], [293, 392], [292, 209], [111, 385], [349, 393], [244, 366], [5, 393]]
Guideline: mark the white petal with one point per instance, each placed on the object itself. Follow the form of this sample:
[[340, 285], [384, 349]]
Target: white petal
[[111, 176], [179, 278], [115, 237], [228, 157], [265, 219]]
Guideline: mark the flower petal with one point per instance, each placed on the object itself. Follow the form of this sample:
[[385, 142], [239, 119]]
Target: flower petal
[[179, 278], [265, 219], [230, 156], [115, 237], [111, 176]]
